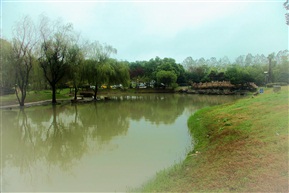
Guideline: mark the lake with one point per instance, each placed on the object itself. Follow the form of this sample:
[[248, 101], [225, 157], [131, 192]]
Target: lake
[[105, 146]]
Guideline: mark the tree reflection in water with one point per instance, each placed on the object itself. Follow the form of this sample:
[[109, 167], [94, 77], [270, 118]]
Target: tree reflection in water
[[38, 140], [65, 142]]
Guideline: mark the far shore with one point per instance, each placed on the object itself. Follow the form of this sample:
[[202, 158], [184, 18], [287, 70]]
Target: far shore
[[64, 96]]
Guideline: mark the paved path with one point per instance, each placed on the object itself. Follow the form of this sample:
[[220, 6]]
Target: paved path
[[29, 104]]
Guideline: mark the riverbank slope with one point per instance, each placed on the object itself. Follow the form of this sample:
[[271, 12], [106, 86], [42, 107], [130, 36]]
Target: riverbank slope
[[240, 147]]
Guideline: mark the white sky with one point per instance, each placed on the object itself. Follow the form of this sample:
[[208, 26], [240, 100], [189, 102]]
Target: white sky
[[141, 30]]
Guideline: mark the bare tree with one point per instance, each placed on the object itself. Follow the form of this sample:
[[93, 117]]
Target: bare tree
[[189, 62], [23, 45], [286, 6]]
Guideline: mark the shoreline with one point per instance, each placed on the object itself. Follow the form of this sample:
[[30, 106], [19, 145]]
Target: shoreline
[[241, 147], [102, 95], [36, 103], [106, 95]]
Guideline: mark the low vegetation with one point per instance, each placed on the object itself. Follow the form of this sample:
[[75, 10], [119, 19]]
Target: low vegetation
[[240, 147]]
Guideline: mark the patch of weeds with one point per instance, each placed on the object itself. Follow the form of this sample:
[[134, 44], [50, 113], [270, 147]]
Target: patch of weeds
[[227, 124], [221, 129]]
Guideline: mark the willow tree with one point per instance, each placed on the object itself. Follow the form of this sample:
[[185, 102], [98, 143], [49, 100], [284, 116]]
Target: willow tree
[[76, 67], [120, 73], [56, 39], [23, 46], [98, 68], [7, 80]]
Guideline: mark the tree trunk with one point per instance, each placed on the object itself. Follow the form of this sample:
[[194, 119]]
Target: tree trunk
[[22, 101], [21, 98], [75, 93], [95, 92], [53, 94], [16, 92]]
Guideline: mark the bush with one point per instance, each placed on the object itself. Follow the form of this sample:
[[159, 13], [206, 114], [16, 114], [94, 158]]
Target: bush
[[6, 91], [174, 85]]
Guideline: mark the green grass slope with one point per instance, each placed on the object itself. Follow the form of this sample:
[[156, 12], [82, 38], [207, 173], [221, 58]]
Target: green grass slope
[[241, 147]]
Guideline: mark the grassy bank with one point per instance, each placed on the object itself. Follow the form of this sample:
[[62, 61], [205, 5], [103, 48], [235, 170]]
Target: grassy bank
[[240, 147], [35, 96], [43, 95]]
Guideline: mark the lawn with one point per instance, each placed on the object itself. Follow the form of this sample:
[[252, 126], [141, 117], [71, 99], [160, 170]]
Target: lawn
[[241, 147], [34, 96]]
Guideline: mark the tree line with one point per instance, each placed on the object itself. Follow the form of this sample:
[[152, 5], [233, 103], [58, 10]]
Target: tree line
[[52, 54], [259, 69]]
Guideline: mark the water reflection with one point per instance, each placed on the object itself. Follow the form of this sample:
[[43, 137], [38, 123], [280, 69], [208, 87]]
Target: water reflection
[[44, 145]]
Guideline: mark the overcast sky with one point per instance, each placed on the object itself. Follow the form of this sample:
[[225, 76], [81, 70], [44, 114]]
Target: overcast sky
[[141, 30]]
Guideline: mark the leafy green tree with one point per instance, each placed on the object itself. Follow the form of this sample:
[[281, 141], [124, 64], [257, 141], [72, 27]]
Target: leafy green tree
[[54, 51], [182, 78], [98, 67], [169, 64], [121, 73], [151, 68], [238, 75], [257, 72], [37, 79], [166, 77], [198, 73], [7, 80], [281, 71], [76, 67]]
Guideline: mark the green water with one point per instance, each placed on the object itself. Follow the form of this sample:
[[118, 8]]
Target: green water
[[96, 147]]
